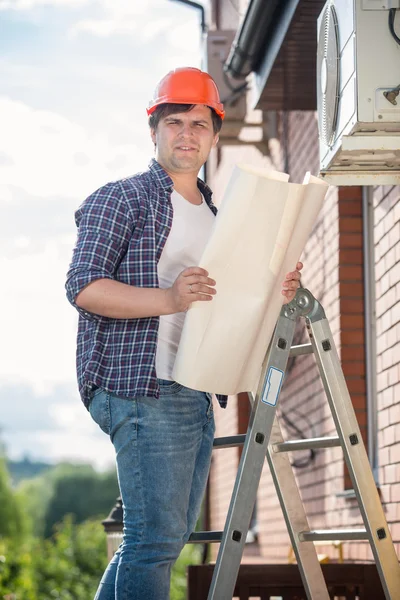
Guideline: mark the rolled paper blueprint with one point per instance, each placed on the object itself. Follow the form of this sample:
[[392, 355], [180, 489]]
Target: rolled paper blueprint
[[258, 236]]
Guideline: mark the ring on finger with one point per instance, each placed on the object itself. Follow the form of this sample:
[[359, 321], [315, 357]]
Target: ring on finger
[[190, 288]]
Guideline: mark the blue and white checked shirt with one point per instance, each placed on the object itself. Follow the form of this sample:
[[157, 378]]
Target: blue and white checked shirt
[[122, 230]]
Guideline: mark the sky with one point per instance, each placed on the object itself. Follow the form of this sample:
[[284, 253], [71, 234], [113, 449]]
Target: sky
[[75, 79]]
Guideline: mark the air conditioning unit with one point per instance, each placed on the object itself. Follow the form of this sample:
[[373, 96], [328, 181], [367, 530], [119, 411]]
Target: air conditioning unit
[[358, 83]]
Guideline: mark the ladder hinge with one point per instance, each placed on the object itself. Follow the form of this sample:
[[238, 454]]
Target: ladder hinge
[[353, 439]]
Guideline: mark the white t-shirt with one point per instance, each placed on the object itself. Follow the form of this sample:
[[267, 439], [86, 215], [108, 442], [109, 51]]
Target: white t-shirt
[[191, 228]]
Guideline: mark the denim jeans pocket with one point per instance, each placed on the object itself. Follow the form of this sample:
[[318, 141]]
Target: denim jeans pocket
[[169, 387], [99, 409]]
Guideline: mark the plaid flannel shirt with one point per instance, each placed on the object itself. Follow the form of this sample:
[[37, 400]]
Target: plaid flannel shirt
[[122, 229]]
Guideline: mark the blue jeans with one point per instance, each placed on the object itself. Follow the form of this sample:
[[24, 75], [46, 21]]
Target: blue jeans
[[163, 452]]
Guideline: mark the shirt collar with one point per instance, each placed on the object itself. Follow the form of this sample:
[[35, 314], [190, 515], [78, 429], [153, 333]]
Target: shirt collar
[[160, 175], [166, 182]]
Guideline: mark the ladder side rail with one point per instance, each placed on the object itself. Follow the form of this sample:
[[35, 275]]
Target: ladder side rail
[[252, 461], [355, 455], [295, 518]]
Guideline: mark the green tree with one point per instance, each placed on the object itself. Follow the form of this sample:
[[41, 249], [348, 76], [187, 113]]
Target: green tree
[[12, 520], [35, 495], [69, 565], [16, 574], [81, 492], [78, 490]]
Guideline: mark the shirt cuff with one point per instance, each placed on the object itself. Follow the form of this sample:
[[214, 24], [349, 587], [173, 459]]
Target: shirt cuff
[[76, 283]]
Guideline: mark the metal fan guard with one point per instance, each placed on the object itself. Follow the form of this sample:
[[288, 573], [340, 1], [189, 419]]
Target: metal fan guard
[[328, 60]]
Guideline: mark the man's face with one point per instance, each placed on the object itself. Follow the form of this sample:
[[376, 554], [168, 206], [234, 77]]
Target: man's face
[[183, 140]]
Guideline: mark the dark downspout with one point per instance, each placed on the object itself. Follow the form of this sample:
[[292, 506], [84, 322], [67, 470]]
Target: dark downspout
[[250, 38]]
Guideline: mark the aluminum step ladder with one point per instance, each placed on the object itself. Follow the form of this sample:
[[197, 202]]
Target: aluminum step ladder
[[264, 439]]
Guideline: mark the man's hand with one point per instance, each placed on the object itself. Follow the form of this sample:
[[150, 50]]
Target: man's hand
[[291, 283], [191, 285]]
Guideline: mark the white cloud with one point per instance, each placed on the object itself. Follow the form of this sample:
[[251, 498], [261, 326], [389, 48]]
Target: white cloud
[[43, 150], [72, 117], [147, 20], [51, 425], [40, 325], [29, 4], [60, 446], [115, 25]]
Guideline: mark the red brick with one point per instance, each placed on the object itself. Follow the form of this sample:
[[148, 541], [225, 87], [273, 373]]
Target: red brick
[[347, 209], [350, 256], [352, 321], [358, 401], [349, 192], [351, 290], [356, 385], [350, 225], [351, 305], [350, 273], [354, 368], [352, 352], [352, 337], [351, 240]]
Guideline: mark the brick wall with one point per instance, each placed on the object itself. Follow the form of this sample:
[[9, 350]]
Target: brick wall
[[302, 394], [387, 256], [333, 271]]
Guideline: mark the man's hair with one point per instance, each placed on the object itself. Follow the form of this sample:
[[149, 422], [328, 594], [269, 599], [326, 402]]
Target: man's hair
[[164, 110]]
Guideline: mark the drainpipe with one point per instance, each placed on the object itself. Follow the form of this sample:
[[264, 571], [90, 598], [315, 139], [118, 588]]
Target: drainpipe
[[370, 326], [250, 38]]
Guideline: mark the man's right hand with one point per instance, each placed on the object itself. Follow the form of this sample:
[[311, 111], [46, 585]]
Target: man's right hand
[[192, 285]]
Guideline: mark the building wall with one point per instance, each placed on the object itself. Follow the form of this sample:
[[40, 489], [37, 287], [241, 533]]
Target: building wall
[[387, 271], [333, 271]]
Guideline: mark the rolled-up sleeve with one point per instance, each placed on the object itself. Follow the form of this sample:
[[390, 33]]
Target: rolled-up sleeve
[[105, 225]]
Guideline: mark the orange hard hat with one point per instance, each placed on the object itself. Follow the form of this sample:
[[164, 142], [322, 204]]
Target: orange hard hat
[[187, 85]]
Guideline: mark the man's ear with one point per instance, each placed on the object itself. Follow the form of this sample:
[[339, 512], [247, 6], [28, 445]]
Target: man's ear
[[216, 140], [153, 136]]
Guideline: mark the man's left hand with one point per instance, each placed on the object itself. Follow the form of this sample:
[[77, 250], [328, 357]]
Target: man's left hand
[[291, 283]]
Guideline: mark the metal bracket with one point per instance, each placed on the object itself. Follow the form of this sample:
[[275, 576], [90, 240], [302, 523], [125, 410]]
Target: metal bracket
[[391, 95], [303, 305]]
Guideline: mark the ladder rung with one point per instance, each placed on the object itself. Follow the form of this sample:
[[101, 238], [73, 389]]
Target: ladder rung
[[301, 349], [333, 534], [322, 442], [229, 441], [205, 536]]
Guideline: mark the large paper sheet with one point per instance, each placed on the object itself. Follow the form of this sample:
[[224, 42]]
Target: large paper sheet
[[258, 236]]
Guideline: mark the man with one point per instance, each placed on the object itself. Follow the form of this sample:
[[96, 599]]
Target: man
[[132, 278]]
